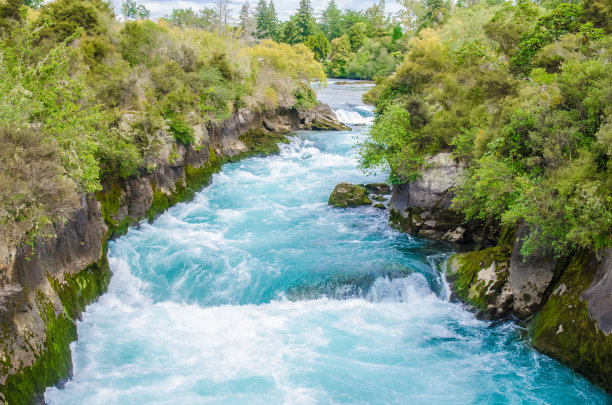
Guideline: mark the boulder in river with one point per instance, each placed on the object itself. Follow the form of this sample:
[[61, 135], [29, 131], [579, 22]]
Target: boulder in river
[[349, 195], [378, 188]]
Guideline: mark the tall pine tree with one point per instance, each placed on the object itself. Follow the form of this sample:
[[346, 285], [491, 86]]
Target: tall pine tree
[[272, 21], [301, 25], [261, 19], [331, 20]]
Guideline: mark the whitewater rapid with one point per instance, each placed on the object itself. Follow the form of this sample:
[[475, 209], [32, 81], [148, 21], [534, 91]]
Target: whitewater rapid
[[258, 292]]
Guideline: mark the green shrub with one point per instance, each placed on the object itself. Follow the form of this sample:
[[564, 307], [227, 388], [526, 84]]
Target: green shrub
[[34, 189], [180, 129]]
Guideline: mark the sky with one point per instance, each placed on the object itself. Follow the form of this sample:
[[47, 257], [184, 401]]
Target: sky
[[284, 8]]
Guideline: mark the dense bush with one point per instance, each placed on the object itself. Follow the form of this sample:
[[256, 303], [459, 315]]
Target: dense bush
[[34, 190], [100, 97], [536, 143]]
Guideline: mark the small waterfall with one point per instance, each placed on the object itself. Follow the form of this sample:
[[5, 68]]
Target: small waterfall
[[360, 115]]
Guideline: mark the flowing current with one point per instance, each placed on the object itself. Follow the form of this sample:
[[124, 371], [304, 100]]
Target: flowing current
[[258, 292]]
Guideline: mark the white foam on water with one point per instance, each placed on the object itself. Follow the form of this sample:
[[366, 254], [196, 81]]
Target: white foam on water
[[203, 305], [353, 117]]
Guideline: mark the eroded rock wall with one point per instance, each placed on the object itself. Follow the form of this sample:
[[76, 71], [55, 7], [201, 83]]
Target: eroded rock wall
[[565, 302], [46, 284], [423, 207]]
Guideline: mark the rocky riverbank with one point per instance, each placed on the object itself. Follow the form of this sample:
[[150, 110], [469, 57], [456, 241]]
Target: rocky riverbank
[[565, 302], [45, 285]]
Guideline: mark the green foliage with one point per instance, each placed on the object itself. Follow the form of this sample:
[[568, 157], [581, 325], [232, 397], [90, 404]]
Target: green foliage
[[562, 20], [397, 33], [436, 12], [296, 61], [340, 57], [331, 20], [536, 146], [204, 19], [510, 23], [179, 128], [266, 21], [34, 190], [319, 45], [373, 59], [140, 43], [598, 12], [35, 97], [63, 17], [392, 144], [357, 35], [9, 15], [305, 97]]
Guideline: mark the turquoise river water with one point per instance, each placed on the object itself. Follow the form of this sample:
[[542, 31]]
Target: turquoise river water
[[258, 292]]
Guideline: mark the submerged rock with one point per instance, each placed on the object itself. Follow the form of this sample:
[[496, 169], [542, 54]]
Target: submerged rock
[[379, 198], [349, 195], [380, 206], [378, 188]]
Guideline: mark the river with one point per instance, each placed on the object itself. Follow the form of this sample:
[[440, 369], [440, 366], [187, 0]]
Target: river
[[258, 292]]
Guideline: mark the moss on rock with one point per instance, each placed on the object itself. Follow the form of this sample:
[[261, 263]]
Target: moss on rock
[[110, 201], [563, 328], [478, 278], [260, 142], [53, 363], [78, 290], [349, 195]]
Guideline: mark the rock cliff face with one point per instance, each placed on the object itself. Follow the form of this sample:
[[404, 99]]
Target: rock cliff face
[[574, 323], [566, 302], [46, 284], [498, 281], [423, 207]]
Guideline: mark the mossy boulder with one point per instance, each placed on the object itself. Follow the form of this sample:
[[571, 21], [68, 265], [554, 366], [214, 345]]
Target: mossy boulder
[[261, 142], [349, 195], [480, 279]]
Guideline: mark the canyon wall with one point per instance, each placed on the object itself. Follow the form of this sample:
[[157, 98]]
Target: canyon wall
[[565, 302], [45, 284]]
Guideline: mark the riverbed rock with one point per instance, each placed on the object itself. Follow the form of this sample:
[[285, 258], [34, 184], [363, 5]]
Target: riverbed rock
[[480, 278], [530, 276], [499, 281], [321, 118], [349, 195], [423, 207], [378, 188]]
